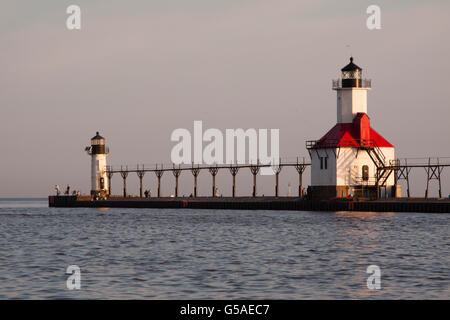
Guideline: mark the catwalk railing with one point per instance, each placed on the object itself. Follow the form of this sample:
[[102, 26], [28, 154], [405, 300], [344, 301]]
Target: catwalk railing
[[401, 168], [159, 169], [433, 168]]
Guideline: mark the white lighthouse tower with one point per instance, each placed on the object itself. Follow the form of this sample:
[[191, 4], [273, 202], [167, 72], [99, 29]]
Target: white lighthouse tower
[[351, 159], [99, 179]]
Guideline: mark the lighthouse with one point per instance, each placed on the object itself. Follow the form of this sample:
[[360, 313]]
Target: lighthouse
[[98, 152], [351, 159]]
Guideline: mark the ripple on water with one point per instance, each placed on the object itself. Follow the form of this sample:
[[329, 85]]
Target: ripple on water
[[180, 254]]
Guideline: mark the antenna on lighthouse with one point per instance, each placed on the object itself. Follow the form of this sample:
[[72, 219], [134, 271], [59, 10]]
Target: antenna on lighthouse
[[349, 49]]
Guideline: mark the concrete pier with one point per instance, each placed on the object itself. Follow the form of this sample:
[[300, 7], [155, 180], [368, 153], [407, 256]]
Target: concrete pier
[[259, 203]]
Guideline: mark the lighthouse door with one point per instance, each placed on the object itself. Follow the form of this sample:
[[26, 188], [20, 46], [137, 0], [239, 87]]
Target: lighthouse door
[[102, 183]]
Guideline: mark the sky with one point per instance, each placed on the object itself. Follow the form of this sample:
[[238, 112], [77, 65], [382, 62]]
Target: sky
[[137, 70]]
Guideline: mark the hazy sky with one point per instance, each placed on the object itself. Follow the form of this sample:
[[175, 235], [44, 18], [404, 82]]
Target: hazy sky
[[137, 70]]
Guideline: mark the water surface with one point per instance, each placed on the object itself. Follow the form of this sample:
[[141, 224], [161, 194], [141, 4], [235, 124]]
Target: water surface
[[218, 254]]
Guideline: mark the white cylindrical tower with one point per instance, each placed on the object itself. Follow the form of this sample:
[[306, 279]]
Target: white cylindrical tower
[[351, 93], [99, 178]]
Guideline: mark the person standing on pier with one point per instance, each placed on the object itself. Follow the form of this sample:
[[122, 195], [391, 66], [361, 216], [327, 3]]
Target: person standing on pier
[[58, 190]]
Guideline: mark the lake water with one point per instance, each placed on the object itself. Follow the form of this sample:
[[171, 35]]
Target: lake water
[[217, 254]]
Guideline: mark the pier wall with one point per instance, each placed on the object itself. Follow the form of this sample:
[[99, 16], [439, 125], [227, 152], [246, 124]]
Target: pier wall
[[262, 203]]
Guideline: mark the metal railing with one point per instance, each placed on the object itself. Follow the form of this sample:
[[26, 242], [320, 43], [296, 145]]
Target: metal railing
[[359, 181], [419, 162], [337, 143], [283, 162], [365, 83]]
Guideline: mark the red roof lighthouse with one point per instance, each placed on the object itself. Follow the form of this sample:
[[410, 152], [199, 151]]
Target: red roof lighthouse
[[351, 155]]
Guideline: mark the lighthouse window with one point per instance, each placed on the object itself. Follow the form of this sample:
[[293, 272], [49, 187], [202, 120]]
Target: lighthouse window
[[96, 142], [356, 74], [365, 173], [323, 163]]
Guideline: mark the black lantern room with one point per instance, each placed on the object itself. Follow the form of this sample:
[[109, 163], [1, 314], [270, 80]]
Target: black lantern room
[[351, 75], [98, 144]]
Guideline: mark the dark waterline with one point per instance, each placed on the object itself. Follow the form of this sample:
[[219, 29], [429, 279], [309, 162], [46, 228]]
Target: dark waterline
[[215, 254], [40, 199]]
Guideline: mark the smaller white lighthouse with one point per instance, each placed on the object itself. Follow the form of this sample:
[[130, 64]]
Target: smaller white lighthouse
[[99, 179]]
